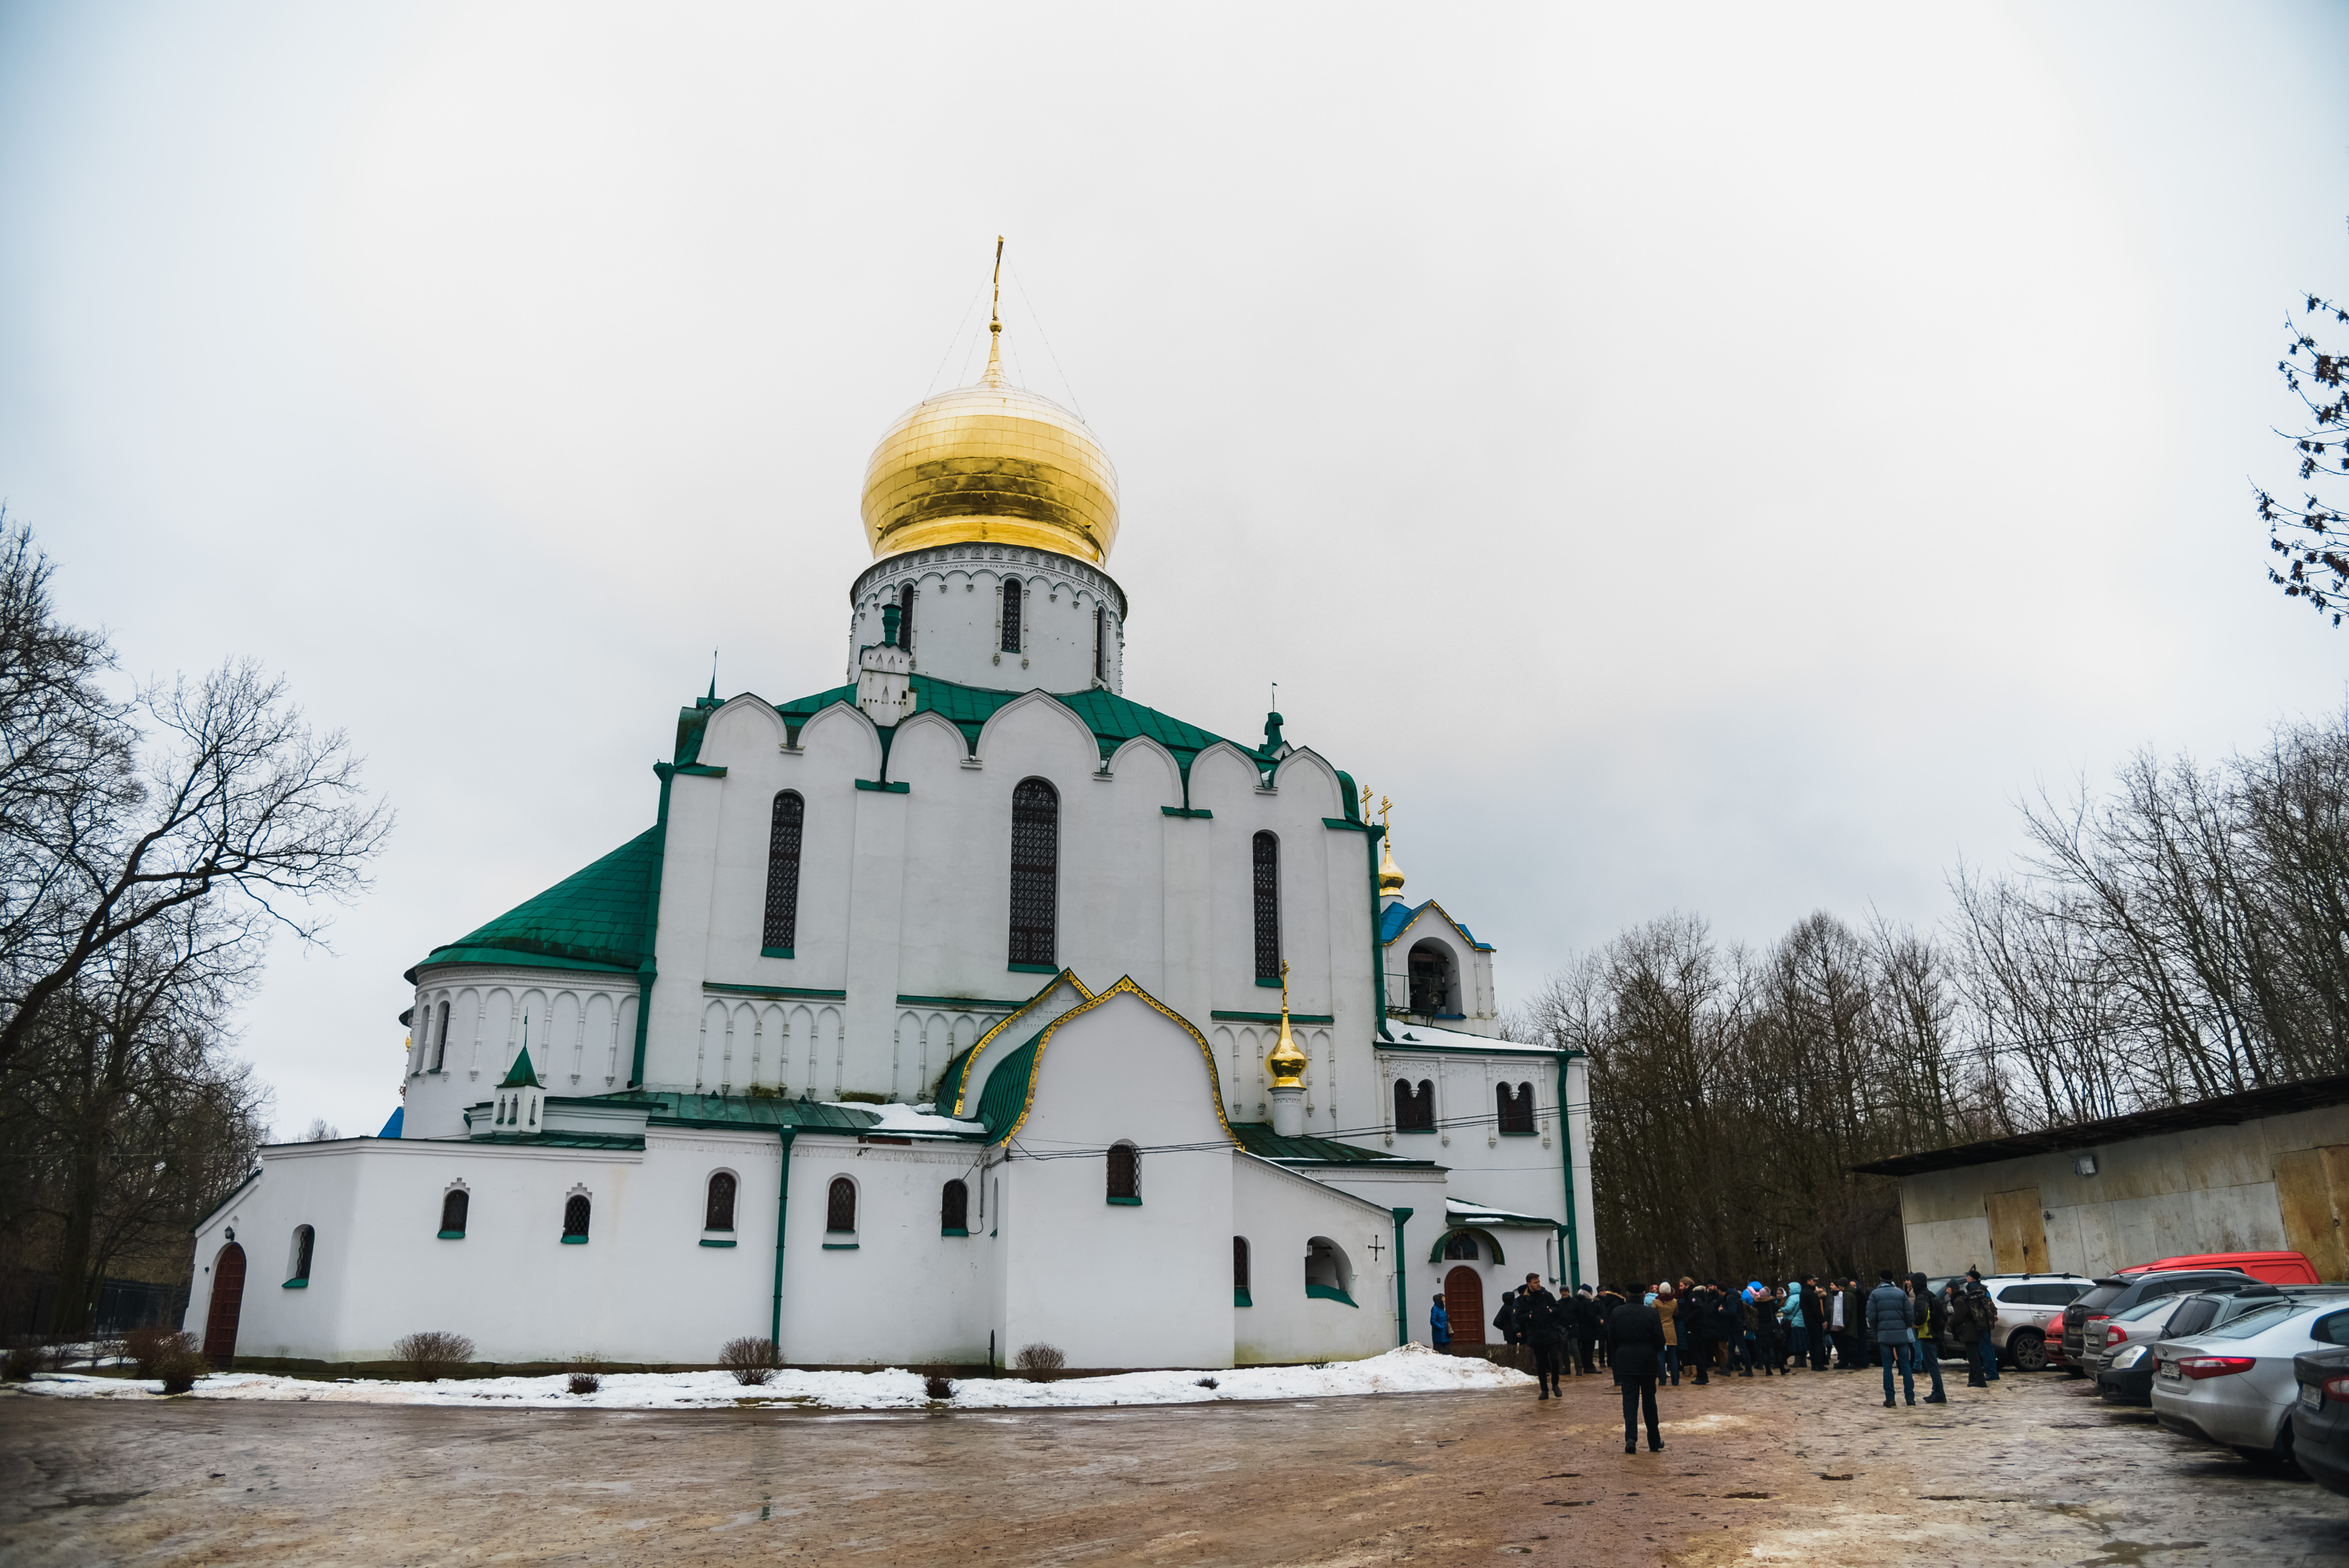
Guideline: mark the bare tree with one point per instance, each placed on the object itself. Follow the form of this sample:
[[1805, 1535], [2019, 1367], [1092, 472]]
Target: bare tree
[[2307, 535]]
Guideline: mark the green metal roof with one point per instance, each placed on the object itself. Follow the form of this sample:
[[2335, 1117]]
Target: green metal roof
[[1006, 1094], [596, 918], [521, 1075], [1258, 1139], [562, 1139], [678, 1108]]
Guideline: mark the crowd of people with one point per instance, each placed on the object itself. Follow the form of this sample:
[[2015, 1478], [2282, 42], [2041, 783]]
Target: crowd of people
[[1649, 1336]]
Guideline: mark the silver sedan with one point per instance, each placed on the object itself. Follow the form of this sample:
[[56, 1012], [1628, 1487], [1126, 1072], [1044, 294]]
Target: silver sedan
[[2234, 1385]]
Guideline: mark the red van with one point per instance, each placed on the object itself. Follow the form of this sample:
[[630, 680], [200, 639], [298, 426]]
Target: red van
[[2275, 1268]]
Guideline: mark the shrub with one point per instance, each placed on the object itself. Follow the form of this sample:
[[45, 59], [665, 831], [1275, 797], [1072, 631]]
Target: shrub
[[432, 1355], [181, 1367], [1037, 1363], [587, 1373], [752, 1360], [1206, 1382], [21, 1361], [146, 1348], [937, 1388]]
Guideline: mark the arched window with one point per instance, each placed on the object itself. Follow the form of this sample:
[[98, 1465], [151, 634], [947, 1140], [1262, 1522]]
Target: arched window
[[454, 1203], [1515, 1107], [574, 1218], [1415, 1112], [1241, 1271], [1461, 1245], [1011, 593], [1431, 987], [305, 1239], [440, 1044], [954, 1210], [720, 1215], [906, 617], [840, 1205], [1124, 1174], [1328, 1272], [1100, 641], [1268, 907], [1035, 870], [784, 873]]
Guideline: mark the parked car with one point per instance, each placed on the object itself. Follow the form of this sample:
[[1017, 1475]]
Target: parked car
[[2118, 1292], [2237, 1384], [2319, 1419], [2276, 1268], [2124, 1370], [2030, 1312]]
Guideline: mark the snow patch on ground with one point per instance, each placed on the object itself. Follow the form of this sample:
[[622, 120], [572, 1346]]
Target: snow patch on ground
[[1408, 1369]]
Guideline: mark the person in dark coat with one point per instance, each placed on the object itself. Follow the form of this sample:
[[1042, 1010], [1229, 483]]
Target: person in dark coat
[[1538, 1320], [1932, 1323], [1635, 1350], [1814, 1312], [1696, 1329], [1974, 1319], [1587, 1326], [1609, 1300]]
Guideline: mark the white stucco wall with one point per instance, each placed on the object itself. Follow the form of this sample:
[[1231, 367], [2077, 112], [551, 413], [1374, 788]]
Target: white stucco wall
[[958, 629], [1281, 1212]]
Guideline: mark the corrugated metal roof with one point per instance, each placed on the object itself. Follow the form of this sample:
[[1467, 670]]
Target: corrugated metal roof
[[680, 1109], [1258, 1139], [1113, 719], [1006, 1094]]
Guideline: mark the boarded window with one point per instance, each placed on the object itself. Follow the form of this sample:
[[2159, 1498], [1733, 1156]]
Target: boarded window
[[453, 1206], [720, 1214], [1035, 870], [1268, 906], [1011, 615], [783, 871], [441, 1045], [954, 1207], [1515, 1107], [840, 1205], [574, 1215], [1125, 1171], [1415, 1112]]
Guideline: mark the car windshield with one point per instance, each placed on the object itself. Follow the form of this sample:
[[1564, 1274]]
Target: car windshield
[[2146, 1309], [2258, 1320], [2099, 1295]]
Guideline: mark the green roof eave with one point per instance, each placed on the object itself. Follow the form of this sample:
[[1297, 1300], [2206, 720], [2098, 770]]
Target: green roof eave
[[1006, 1094]]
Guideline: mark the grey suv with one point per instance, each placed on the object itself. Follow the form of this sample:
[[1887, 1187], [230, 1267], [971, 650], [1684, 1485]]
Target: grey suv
[[2030, 1312], [2085, 1319]]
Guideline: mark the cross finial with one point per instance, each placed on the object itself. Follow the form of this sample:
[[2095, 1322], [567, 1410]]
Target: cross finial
[[994, 376], [1284, 989]]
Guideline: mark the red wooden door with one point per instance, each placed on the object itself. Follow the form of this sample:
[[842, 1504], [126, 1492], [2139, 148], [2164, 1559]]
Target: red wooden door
[[228, 1302], [1463, 1304]]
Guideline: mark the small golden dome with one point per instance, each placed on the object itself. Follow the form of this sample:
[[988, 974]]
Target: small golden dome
[[1389, 873], [1287, 1063], [990, 463]]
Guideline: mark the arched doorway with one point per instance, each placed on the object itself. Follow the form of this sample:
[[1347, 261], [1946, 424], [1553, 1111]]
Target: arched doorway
[[1463, 1304], [228, 1302], [1435, 983]]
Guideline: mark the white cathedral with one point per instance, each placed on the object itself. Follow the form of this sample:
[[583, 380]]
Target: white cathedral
[[963, 1005]]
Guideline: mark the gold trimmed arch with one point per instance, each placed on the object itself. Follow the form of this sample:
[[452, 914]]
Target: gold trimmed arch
[[1126, 986]]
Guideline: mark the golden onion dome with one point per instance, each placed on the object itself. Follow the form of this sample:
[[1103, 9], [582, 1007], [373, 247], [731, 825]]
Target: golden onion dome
[[1389, 873], [1287, 1063], [990, 463]]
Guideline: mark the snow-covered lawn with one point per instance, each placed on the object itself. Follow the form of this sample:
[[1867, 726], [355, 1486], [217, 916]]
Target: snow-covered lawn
[[1408, 1369]]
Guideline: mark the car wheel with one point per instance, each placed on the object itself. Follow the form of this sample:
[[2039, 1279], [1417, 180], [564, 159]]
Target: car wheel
[[2028, 1351], [2281, 1455]]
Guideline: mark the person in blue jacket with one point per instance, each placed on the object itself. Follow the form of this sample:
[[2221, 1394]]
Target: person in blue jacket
[[1438, 1324]]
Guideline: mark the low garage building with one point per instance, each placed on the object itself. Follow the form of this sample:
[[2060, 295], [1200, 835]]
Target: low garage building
[[2264, 1170]]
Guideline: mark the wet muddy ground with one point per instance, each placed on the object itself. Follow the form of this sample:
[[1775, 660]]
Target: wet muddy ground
[[1808, 1470]]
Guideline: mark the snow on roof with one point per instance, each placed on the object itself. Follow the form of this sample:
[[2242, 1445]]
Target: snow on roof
[[1408, 1035], [1460, 1209], [907, 1119]]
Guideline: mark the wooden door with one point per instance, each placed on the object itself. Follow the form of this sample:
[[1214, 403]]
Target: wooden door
[[228, 1302], [1463, 1304], [2311, 1186], [2018, 1235]]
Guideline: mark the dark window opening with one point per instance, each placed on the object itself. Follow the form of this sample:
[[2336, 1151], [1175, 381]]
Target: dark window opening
[[783, 834], [440, 1046], [1461, 1246], [1268, 906], [954, 1207], [1011, 615], [840, 1205], [1240, 1265], [1126, 1173], [1035, 870], [906, 617], [1415, 1112], [304, 1239], [1430, 981], [1516, 1107], [720, 1213], [1100, 641], [453, 1206], [575, 1216]]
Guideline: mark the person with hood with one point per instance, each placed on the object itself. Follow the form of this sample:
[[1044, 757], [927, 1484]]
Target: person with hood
[[1505, 1320], [1932, 1328], [1609, 1299], [1890, 1325], [1974, 1319], [1586, 1328], [1635, 1342], [1538, 1321], [1814, 1317], [1697, 1303], [1791, 1320], [1667, 1306], [1439, 1328]]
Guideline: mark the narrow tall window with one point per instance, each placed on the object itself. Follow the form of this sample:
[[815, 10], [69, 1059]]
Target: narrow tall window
[[441, 1045], [304, 1238], [954, 1210], [1035, 870], [1011, 615], [1268, 907], [1100, 641], [783, 871], [719, 1215], [1515, 1107], [1124, 1174], [1241, 1271], [906, 617], [454, 1206], [840, 1205], [1415, 1112], [574, 1218]]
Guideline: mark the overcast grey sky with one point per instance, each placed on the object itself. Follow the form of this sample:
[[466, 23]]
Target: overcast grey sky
[[1714, 459]]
